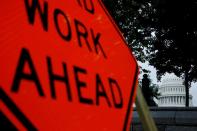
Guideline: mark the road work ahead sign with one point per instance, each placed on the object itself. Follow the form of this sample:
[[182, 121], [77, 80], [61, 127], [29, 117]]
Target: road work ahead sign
[[63, 66]]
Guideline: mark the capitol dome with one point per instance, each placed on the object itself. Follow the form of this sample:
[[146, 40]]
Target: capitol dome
[[172, 93]]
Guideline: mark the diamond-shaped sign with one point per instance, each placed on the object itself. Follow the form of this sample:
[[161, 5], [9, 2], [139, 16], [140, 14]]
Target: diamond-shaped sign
[[65, 64]]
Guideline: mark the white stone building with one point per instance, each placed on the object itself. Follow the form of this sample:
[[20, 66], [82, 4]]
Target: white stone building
[[172, 93]]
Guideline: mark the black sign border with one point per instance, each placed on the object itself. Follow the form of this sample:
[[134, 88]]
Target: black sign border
[[16, 111], [136, 69], [30, 126]]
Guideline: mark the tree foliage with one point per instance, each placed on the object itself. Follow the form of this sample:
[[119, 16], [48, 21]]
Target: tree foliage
[[137, 20], [164, 32], [177, 41]]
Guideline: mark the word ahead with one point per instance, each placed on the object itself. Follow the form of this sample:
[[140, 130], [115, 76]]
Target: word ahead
[[64, 66], [32, 76]]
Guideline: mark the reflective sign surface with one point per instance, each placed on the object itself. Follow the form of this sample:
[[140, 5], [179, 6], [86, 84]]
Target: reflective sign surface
[[64, 66]]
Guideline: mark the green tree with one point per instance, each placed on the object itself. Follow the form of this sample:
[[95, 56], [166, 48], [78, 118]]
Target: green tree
[[164, 32], [176, 41], [137, 20]]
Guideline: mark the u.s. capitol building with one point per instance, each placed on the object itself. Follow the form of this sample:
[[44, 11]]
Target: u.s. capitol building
[[172, 93]]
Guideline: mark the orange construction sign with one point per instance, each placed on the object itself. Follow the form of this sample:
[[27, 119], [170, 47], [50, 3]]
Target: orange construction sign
[[64, 65]]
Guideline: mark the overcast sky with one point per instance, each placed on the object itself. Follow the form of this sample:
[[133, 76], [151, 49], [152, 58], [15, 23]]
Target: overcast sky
[[193, 89]]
